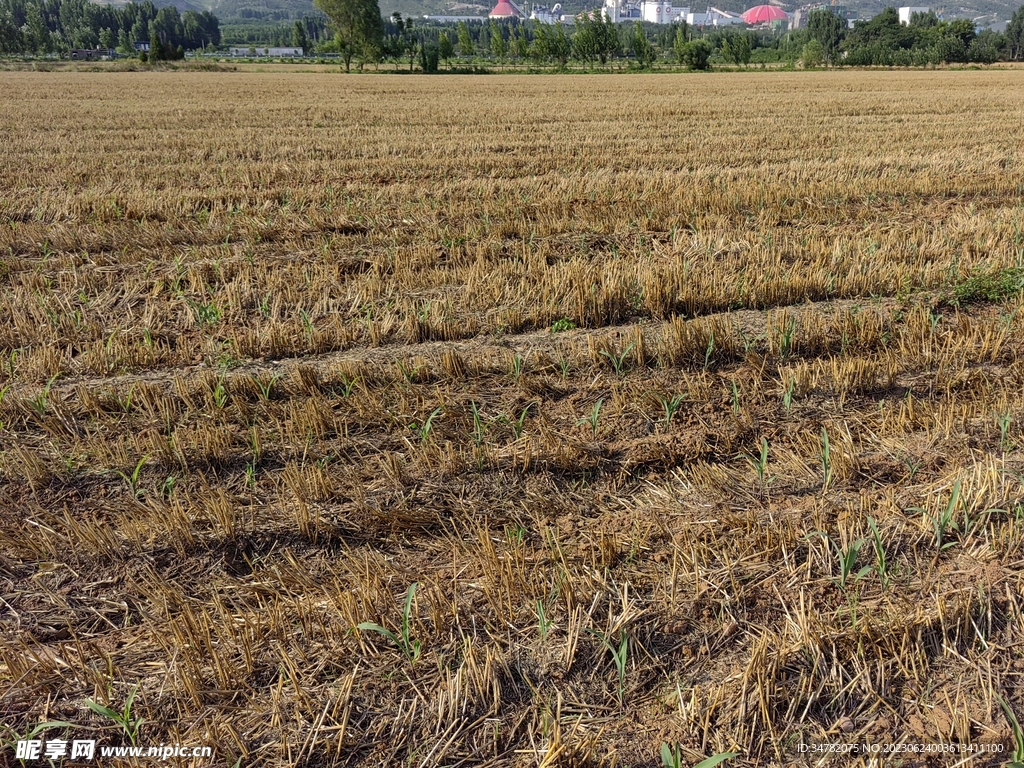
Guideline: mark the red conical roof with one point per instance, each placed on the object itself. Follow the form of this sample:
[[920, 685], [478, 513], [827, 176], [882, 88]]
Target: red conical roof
[[503, 8], [764, 13]]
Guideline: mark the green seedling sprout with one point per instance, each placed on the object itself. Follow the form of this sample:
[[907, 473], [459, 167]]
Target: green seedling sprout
[[411, 648], [592, 419], [129, 725]]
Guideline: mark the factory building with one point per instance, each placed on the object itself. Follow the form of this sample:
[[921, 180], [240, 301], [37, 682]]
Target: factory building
[[713, 17], [652, 11], [507, 9], [546, 15]]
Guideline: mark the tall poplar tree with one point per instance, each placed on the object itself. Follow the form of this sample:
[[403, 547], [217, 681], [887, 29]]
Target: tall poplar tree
[[358, 28]]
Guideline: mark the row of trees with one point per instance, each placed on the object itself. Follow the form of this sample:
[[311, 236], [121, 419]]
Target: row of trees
[[307, 33], [593, 40], [363, 37], [355, 30], [55, 26], [883, 40]]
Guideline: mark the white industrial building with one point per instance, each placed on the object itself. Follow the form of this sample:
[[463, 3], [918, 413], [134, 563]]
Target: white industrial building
[[653, 11], [546, 15], [909, 10], [713, 18]]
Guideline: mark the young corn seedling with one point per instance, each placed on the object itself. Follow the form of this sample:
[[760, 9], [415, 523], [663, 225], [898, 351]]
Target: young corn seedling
[[711, 762], [786, 333], [411, 648], [620, 656], [133, 479], [518, 364], [670, 406], [543, 622], [672, 757], [709, 350], [1004, 421], [126, 402], [618, 361], [220, 394], [847, 559], [167, 487], [266, 386], [760, 464], [307, 323], [423, 430], [592, 419], [40, 401], [129, 725], [944, 520], [519, 424], [826, 461], [787, 396], [880, 564], [735, 398], [347, 385], [205, 313], [478, 425], [1018, 734]]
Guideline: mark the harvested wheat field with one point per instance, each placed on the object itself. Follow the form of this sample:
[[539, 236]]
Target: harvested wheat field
[[632, 411]]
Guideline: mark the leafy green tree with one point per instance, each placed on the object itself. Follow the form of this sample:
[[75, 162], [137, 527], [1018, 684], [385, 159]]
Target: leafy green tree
[[520, 45], [986, 47], [466, 47], [828, 29], [679, 45], [874, 41], [923, 20], [445, 49], [406, 41], [1015, 35], [741, 50], [499, 48], [584, 39], [559, 46], [36, 31], [156, 48], [696, 54], [10, 35], [814, 54], [540, 48], [358, 28], [299, 39], [642, 48], [429, 55], [607, 36]]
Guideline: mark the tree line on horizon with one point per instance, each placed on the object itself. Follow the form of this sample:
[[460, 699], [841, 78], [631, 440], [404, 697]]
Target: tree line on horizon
[[355, 31], [40, 27], [363, 37]]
